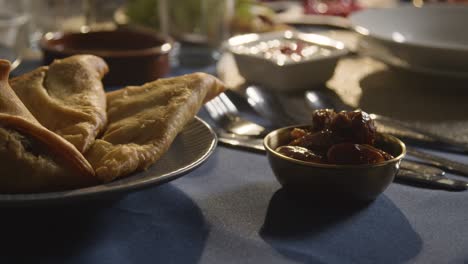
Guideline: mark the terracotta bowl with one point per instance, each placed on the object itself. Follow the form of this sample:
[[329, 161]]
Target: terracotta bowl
[[329, 181], [134, 56]]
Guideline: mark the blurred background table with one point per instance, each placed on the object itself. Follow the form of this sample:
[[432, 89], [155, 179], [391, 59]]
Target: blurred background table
[[232, 210]]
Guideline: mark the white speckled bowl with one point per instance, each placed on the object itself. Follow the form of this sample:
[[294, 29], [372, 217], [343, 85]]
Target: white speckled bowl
[[291, 76]]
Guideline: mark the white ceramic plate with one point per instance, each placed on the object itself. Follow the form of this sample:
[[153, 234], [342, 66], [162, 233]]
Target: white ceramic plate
[[190, 149], [430, 39]]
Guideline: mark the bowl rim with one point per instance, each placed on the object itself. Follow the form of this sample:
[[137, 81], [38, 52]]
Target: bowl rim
[[331, 166], [339, 48], [164, 48], [363, 31]]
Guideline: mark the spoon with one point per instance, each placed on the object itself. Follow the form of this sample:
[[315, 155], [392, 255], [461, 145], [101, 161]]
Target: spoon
[[271, 107], [280, 110]]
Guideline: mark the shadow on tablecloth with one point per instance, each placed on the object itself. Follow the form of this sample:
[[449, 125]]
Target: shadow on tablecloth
[[332, 232], [150, 226]]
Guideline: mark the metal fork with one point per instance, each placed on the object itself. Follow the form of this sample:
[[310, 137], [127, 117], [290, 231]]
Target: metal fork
[[223, 111]]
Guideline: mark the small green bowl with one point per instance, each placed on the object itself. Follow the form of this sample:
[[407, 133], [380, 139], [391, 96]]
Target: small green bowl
[[357, 182]]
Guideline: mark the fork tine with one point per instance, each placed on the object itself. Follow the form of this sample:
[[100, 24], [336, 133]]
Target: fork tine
[[228, 103], [212, 111], [217, 109], [226, 109], [223, 111]]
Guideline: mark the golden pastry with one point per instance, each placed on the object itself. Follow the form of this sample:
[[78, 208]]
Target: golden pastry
[[67, 97], [32, 158], [144, 120]]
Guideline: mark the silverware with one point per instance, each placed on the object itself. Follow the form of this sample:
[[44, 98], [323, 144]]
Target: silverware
[[432, 180], [289, 109], [440, 162], [239, 141], [265, 102], [225, 113], [421, 169], [330, 99], [409, 171], [419, 134]]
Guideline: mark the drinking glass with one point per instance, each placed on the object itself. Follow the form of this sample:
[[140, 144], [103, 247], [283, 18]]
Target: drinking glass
[[200, 26], [13, 19], [70, 16]]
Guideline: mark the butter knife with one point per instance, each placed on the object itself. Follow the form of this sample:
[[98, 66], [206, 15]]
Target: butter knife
[[440, 162], [432, 180]]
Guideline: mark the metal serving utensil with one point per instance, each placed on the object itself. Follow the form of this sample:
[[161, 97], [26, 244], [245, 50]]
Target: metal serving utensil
[[434, 160], [395, 126], [225, 113], [296, 108]]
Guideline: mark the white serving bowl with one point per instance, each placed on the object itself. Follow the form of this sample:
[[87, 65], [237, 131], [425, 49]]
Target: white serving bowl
[[431, 39], [289, 75]]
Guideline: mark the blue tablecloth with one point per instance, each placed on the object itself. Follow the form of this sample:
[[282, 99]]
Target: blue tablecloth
[[232, 210]]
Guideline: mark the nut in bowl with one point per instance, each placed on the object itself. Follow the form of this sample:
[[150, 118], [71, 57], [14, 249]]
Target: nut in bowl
[[286, 61], [337, 167]]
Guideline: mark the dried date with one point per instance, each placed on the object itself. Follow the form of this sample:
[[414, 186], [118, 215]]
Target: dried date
[[349, 153], [300, 153]]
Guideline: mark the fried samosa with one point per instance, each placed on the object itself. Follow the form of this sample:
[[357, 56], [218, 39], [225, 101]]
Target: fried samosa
[[144, 120], [67, 97], [32, 158]]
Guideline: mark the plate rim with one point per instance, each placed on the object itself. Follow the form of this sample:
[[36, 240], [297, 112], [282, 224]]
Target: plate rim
[[92, 191], [420, 69], [358, 27]]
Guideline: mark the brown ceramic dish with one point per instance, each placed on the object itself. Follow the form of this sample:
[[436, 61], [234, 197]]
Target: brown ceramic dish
[[358, 182], [134, 56]]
